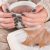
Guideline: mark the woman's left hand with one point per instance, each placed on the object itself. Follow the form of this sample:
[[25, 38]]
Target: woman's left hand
[[32, 19]]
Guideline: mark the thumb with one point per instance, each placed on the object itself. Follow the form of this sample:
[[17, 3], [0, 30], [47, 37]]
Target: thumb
[[39, 8], [5, 6]]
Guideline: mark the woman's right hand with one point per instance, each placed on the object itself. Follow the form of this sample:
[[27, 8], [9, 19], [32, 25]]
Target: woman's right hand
[[6, 20]]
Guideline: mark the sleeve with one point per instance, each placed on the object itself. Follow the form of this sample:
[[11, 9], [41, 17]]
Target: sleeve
[[2, 2], [12, 1], [46, 4], [35, 1]]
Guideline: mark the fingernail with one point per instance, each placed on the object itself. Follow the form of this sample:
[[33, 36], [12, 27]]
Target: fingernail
[[14, 15], [34, 10], [23, 15], [7, 10]]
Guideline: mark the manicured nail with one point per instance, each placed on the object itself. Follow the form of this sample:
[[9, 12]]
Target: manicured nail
[[34, 10], [7, 10], [23, 15], [14, 15]]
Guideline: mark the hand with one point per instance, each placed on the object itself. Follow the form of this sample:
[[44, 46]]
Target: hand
[[6, 20], [32, 19]]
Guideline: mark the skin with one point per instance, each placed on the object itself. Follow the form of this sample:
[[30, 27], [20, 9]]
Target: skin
[[6, 20], [30, 19], [36, 18]]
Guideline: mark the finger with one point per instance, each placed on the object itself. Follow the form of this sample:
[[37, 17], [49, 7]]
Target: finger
[[38, 20], [26, 19], [34, 28], [4, 6], [8, 26], [32, 15], [42, 14], [26, 14], [28, 24], [6, 20], [2, 14], [39, 8]]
